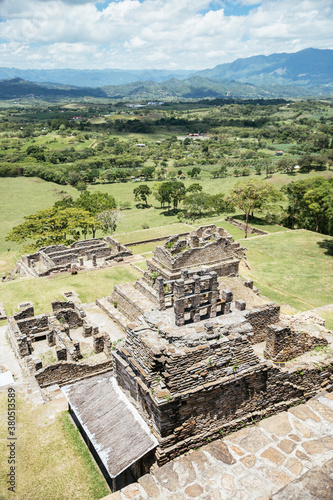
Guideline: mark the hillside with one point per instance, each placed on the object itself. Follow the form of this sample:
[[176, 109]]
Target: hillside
[[195, 87], [308, 68], [17, 88]]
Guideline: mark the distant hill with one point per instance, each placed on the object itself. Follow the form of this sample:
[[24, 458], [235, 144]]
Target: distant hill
[[308, 68], [198, 87], [195, 87], [16, 88], [91, 77], [307, 73]]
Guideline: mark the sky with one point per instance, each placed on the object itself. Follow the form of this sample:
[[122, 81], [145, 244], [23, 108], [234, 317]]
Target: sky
[[160, 34]]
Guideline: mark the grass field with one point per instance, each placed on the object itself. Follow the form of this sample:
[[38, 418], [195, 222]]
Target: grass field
[[19, 197], [89, 285], [293, 267], [52, 462]]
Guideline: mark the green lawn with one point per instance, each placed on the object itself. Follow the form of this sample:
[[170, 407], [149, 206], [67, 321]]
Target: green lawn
[[22, 196], [52, 461], [155, 232], [89, 285], [293, 267]]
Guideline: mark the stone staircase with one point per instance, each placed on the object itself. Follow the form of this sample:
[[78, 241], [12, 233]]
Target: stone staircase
[[125, 305]]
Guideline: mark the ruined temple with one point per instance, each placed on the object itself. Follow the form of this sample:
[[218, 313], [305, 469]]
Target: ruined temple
[[196, 362], [210, 246], [79, 255]]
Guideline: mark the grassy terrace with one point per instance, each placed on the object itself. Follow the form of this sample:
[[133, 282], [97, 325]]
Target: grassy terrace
[[52, 462], [89, 285], [293, 267]]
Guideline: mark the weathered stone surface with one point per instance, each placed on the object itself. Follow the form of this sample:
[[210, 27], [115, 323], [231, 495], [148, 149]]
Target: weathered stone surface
[[131, 491], [184, 468], [303, 412], [278, 425], [324, 411], [148, 484], [276, 476], [167, 477], [255, 440], [314, 485], [220, 451], [318, 445], [294, 465], [287, 445], [273, 455], [303, 430], [228, 482], [237, 450], [249, 461], [199, 459], [194, 491]]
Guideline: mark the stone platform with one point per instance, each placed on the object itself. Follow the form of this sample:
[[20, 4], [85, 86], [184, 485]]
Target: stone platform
[[287, 456]]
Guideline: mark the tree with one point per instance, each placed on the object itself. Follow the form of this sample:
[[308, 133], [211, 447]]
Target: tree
[[194, 188], [319, 199], [196, 203], [141, 193], [108, 220], [172, 191], [52, 226], [148, 172], [194, 172], [310, 204], [252, 194], [95, 203]]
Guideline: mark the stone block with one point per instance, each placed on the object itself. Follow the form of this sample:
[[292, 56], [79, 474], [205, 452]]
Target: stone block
[[227, 295], [240, 305]]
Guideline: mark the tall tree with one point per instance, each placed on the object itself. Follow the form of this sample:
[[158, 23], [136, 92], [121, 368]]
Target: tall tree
[[52, 226], [253, 194], [95, 203], [141, 193], [108, 220]]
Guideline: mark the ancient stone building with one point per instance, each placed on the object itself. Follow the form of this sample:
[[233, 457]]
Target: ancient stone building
[[80, 255], [196, 363], [208, 246]]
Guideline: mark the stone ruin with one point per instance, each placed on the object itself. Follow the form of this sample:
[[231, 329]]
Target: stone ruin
[[209, 245], [53, 334], [195, 363], [80, 255]]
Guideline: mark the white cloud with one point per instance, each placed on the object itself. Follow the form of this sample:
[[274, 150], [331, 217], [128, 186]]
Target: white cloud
[[156, 33]]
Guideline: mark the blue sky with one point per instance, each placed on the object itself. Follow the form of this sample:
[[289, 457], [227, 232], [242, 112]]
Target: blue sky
[[161, 34]]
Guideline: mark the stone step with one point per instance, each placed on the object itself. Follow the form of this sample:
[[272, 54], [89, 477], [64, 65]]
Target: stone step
[[137, 300], [105, 303]]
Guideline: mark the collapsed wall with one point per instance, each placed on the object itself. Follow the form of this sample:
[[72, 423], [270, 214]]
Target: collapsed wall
[[60, 258], [210, 246]]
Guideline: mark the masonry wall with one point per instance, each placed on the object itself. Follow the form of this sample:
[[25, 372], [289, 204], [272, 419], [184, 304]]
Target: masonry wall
[[284, 343], [250, 229], [259, 318], [65, 372]]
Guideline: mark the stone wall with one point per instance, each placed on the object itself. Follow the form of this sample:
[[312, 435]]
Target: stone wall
[[19, 342], [241, 225], [27, 312], [33, 326], [122, 250], [259, 318], [69, 312], [65, 372], [285, 343], [125, 305], [3, 314]]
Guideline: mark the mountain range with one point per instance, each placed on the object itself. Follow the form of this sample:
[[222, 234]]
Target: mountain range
[[306, 73]]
